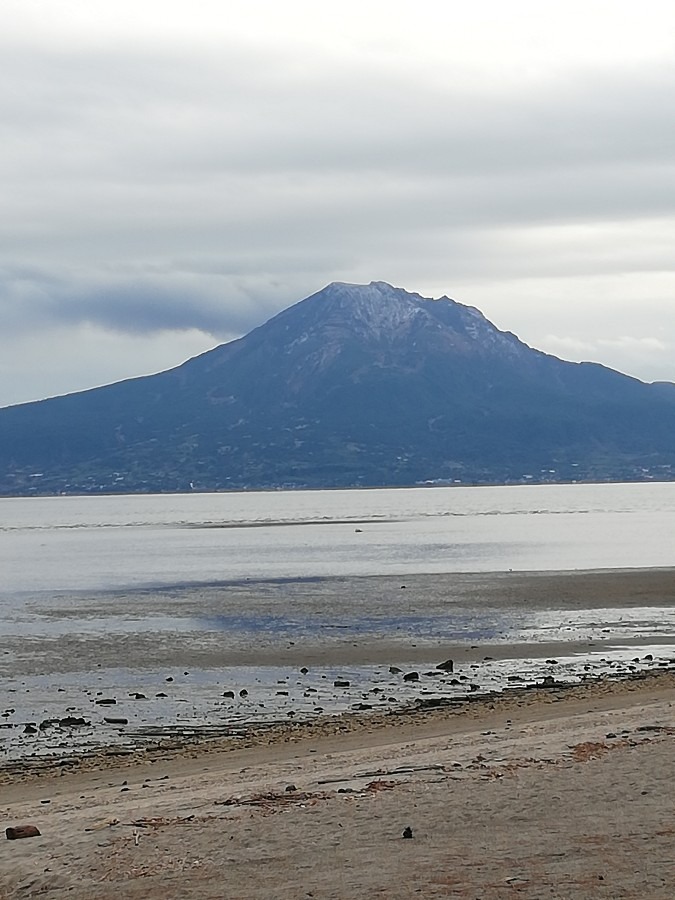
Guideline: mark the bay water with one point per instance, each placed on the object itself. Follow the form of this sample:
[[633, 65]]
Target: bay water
[[96, 543]]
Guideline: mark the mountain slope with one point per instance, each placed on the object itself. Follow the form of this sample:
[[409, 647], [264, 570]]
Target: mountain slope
[[357, 384]]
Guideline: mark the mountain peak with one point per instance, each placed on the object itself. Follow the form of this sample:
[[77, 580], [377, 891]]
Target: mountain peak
[[380, 311], [377, 309]]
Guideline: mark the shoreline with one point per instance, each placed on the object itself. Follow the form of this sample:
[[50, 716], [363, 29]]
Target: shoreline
[[415, 716], [545, 790]]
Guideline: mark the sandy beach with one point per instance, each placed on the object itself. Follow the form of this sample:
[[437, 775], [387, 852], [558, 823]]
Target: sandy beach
[[544, 793]]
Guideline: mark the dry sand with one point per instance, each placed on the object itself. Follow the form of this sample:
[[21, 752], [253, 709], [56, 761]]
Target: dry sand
[[545, 793]]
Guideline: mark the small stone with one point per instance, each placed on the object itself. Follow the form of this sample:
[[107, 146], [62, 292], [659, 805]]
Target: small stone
[[407, 832], [447, 666], [21, 831], [339, 682], [229, 695], [243, 692], [290, 788], [73, 721], [411, 676]]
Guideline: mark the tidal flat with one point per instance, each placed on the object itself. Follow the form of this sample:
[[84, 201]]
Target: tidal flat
[[141, 669]]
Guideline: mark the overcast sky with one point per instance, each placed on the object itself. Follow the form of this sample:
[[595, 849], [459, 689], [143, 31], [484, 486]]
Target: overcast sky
[[174, 173]]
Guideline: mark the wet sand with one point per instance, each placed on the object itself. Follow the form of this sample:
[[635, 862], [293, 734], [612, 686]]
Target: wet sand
[[561, 792], [356, 620], [155, 668]]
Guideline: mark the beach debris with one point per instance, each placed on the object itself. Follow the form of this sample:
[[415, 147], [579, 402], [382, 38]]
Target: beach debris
[[407, 832], [447, 666], [374, 786], [105, 823], [159, 821], [271, 801], [106, 701], [589, 750], [115, 720], [21, 831], [411, 676], [379, 773]]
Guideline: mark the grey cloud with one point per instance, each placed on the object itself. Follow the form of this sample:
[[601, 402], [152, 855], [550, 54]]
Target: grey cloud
[[225, 307], [146, 190], [262, 112]]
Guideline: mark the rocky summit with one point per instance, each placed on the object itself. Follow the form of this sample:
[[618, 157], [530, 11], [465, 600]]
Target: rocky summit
[[356, 385]]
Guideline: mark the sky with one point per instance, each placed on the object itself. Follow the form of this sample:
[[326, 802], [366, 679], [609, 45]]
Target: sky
[[173, 174]]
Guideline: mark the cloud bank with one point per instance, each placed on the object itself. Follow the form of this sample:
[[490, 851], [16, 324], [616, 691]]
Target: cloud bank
[[177, 176]]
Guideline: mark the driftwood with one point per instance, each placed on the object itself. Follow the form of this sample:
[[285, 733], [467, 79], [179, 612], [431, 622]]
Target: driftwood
[[378, 773]]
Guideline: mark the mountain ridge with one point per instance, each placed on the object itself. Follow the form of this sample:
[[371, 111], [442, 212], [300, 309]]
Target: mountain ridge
[[354, 385]]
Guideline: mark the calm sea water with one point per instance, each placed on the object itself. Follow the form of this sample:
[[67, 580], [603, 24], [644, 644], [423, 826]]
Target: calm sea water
[[122, 542]]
